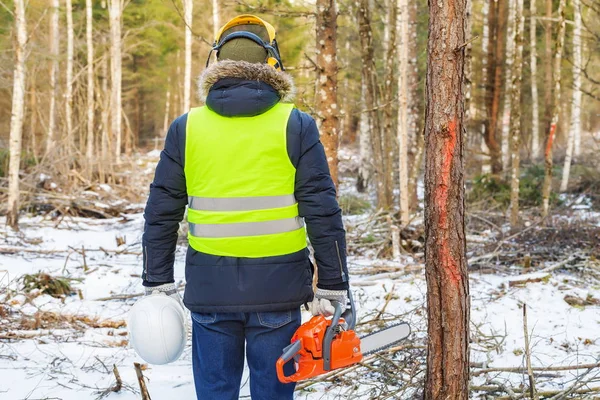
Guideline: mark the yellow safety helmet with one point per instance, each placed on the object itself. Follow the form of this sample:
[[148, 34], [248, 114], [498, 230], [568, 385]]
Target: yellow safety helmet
[[226, 34]]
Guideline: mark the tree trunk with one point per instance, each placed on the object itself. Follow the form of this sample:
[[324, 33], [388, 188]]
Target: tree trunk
[[515, 112], [575, 128], [388, 136], [369, 76], [509, 57], [554, 108], [403, 110], [364, 144], [326, 99], [105, 140], [415, 120], [89, 151], [485, 45], [69, 81], [167, 108], [548, 65], [215, 10], [34, 112], [115, 11], [188, 7], [497, 32], [447, 374], [16, 118], [54, 47], [535, 118]]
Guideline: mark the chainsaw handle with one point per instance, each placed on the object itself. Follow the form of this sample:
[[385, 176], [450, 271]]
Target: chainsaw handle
[[349, 314], [304, 372], [330, 334]]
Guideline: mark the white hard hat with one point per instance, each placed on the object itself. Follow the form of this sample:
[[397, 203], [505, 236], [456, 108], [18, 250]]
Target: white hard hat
[[158, 328]]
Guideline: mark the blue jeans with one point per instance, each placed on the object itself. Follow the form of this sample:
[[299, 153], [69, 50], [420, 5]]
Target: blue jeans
[[218, 341]]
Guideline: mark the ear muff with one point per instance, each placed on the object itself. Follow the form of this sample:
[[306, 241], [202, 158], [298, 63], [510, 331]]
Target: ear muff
[[273, 58]]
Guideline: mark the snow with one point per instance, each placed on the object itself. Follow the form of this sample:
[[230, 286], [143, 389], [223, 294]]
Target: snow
[[77, 363]]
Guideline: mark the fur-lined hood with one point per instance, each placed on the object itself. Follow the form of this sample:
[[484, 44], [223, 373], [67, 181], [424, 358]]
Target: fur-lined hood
[[278, 80]]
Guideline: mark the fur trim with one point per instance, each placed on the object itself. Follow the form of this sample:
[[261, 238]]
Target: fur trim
[[280, 81]]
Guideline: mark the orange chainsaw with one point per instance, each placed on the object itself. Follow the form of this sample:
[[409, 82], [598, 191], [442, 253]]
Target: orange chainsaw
[[321, 345]]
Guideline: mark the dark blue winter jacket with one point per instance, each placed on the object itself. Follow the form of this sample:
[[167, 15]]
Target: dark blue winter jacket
[[231, 284]]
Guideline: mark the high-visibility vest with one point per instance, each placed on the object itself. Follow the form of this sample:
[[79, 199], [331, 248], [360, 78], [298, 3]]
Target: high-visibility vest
[[240, 185]]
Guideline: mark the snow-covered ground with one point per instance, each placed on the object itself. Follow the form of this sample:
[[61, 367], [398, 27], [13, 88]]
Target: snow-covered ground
[[77, 363]]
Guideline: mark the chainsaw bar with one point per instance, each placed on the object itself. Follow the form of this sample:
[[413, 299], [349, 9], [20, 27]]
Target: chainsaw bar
[[380, 340]]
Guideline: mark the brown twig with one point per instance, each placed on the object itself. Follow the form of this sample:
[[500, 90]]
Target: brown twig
[[532, 392], [142, 382]]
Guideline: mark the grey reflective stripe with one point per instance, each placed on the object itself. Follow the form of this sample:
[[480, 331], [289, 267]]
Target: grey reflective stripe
[[240, 203], [246, 228]]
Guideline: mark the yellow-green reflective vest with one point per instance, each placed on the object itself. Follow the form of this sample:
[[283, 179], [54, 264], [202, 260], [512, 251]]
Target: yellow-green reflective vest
[[240, 185]]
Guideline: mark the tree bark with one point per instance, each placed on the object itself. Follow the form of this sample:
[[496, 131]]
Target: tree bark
[[69, 81], [54, 48], [447, 374], [188, 7], [535, 118], [497, 32], [515, 112], [16, 118], [89, 151], [115, 11], [554, 108], [327, 68], [575, 128], [403, 65]]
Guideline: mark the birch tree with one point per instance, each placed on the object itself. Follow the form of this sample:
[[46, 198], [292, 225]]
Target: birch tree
[[16, 118], [326, 99], [447, 375], [115, 10], [515, 112], [216, 23], [554, 108], [69, 80], [365, 154], [54, 46], [575, 128], [403, 65], [90, 81], [388, 136], [509, 60], [535, 117], [188, 7]]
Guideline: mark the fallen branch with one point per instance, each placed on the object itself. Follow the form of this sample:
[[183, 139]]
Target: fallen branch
[[142, 382], [521, 370]]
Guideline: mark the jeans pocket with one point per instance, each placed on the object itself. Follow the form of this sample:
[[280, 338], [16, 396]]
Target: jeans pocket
[[204, 318], [275, 319]]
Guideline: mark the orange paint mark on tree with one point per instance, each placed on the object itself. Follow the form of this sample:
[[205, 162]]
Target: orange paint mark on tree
[[441, 200], [550, 139]]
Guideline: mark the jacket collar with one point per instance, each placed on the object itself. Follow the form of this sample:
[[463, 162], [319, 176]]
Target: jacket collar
[[280, 81]]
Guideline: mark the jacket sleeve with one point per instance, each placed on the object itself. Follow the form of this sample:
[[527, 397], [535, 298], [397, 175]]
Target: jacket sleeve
[[165, 208], [317, 202]]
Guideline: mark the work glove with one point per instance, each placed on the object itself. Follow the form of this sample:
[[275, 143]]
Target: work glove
[[169, 289], [321, 304]]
